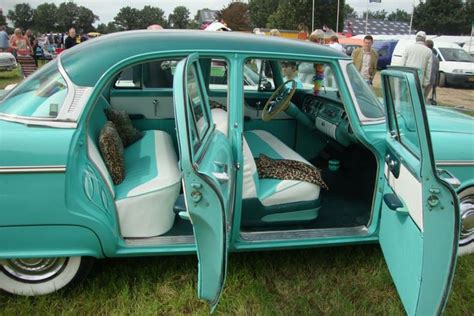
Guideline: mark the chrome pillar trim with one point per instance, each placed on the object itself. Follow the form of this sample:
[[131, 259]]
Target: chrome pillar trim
[[161, 240], [455, 162], [304, 234], [33, 169]]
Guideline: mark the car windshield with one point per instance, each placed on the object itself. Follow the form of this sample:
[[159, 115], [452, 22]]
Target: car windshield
[[455, 54], [369, 104], [40, 96]]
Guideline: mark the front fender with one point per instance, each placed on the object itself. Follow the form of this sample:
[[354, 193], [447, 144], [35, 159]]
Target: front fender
[[48, 241]]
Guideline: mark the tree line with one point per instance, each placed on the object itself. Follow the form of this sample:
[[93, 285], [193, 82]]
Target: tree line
[[449, 17]]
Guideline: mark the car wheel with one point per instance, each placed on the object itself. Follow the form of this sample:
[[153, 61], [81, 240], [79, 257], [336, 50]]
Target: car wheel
[[442, 79], [466, 240], [39, 276]]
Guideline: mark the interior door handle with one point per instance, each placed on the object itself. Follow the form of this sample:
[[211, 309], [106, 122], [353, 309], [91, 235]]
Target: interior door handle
[[222, 177], [393, 165]]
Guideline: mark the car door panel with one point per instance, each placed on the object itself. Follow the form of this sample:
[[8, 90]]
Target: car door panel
[[419, 225], [207, 165]]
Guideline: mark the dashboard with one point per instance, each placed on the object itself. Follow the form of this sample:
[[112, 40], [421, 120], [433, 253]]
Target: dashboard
[[329, 117]]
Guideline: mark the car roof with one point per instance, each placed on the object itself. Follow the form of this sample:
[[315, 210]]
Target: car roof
[[86, 63]]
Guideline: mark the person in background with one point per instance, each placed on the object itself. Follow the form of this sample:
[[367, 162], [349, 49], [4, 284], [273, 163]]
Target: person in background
[[420, 57], [290, 71], [4, 39], [20, 43], [71, 39], [274, 32], [434, 73], [334, 43], [303, 32], [365, 59], [317, 36], [33, 44]]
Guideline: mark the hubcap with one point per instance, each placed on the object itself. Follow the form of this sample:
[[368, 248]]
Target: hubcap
[[467, 220], [33, 269]]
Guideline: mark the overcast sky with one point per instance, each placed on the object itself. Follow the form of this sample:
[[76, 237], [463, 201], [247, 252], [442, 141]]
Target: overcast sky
[[107, 9]]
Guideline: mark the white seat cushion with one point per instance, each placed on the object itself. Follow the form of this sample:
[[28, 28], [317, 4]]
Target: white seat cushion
[[273, 191], [220, 118], [152, 183]]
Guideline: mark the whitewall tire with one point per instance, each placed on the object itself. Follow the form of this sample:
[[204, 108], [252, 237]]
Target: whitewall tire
[[39, 276], [466, 240]]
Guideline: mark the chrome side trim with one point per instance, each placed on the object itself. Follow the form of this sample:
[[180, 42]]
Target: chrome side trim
[[455, 162], [33, 169], [304, 234], [161, 240], [37, 122]]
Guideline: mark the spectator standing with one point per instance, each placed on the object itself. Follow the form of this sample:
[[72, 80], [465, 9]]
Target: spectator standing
[[434, 73], [365, 59], [290, 71], [4, 39], [317, 36], [303, 32], [420, 57], [33, 44], [71, 39], [20, 43], [334, 43]]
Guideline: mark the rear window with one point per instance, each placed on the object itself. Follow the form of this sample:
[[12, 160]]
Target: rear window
[[40, 96]]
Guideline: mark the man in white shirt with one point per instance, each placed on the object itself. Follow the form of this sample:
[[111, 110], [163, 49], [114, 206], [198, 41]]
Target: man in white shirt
[[334, 43], [420, 57]]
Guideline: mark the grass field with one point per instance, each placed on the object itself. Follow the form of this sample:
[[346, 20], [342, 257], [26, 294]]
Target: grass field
[[324, 281]]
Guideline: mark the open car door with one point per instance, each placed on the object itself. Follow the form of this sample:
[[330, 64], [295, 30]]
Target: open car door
[[208, 173], [419, 225]]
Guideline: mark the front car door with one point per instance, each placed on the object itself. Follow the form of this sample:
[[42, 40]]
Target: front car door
[[208, 171], [419, 226]]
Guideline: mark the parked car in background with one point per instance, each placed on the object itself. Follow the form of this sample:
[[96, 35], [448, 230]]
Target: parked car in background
[[7, 61], [349, 48], [456, 66], [191, 170], [385, 50]]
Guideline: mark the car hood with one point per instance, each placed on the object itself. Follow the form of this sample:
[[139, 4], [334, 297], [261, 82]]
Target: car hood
[[466, 66], [444, 119]]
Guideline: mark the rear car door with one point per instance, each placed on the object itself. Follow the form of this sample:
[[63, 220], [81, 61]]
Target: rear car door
[[208, 170], [419, 225]]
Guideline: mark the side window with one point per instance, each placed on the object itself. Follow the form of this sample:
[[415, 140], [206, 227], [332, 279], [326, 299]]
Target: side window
[[130, 78], [199, 119], [402, 123], [383, 52], [258, 75]]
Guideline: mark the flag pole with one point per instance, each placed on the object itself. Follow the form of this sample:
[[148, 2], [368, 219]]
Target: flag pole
[[312, 19], [337, 18], [367, 17], [411, 18]]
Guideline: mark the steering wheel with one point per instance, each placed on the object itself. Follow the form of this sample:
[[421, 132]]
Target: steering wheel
[[279, 101]]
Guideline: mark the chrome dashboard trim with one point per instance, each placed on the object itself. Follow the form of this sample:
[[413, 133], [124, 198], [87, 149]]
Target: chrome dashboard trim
[[33, 169]]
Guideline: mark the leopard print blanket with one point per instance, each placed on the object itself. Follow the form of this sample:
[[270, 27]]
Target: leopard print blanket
[[284, 169]]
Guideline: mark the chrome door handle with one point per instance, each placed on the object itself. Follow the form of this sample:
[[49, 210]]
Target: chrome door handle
[[222, 177], [449, 178]]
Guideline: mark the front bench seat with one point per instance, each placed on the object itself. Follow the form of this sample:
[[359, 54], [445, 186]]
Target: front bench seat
[[274, 201]]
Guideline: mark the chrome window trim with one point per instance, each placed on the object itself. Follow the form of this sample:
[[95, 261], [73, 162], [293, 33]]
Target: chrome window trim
[[70, 112], [455, 163], [300, 234], [33, 169], [362, 118]]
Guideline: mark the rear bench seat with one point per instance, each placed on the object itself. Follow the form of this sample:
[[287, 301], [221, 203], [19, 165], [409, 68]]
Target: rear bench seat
[[145, 199]]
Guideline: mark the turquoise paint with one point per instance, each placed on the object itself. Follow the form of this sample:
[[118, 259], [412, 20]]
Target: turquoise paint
[[208, 200], [438, 240], [140, 165], [304, 215], [107, 55], [48, 241]]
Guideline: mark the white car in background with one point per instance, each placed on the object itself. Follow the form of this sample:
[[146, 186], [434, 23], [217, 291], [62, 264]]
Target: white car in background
[[7, 62]]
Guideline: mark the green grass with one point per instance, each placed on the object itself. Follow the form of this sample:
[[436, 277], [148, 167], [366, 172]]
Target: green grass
[[9, 77], [325, 281]]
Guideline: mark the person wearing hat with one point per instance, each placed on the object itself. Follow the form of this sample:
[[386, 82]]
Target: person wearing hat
[[420, 57], [290, 71]]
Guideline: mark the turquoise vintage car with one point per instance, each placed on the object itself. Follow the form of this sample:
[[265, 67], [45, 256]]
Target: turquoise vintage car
[[214, 130]]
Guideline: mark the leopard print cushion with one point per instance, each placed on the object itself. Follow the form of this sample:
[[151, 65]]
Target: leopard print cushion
[[216, 105], [284, 169], [111, 148], [128, 133]]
